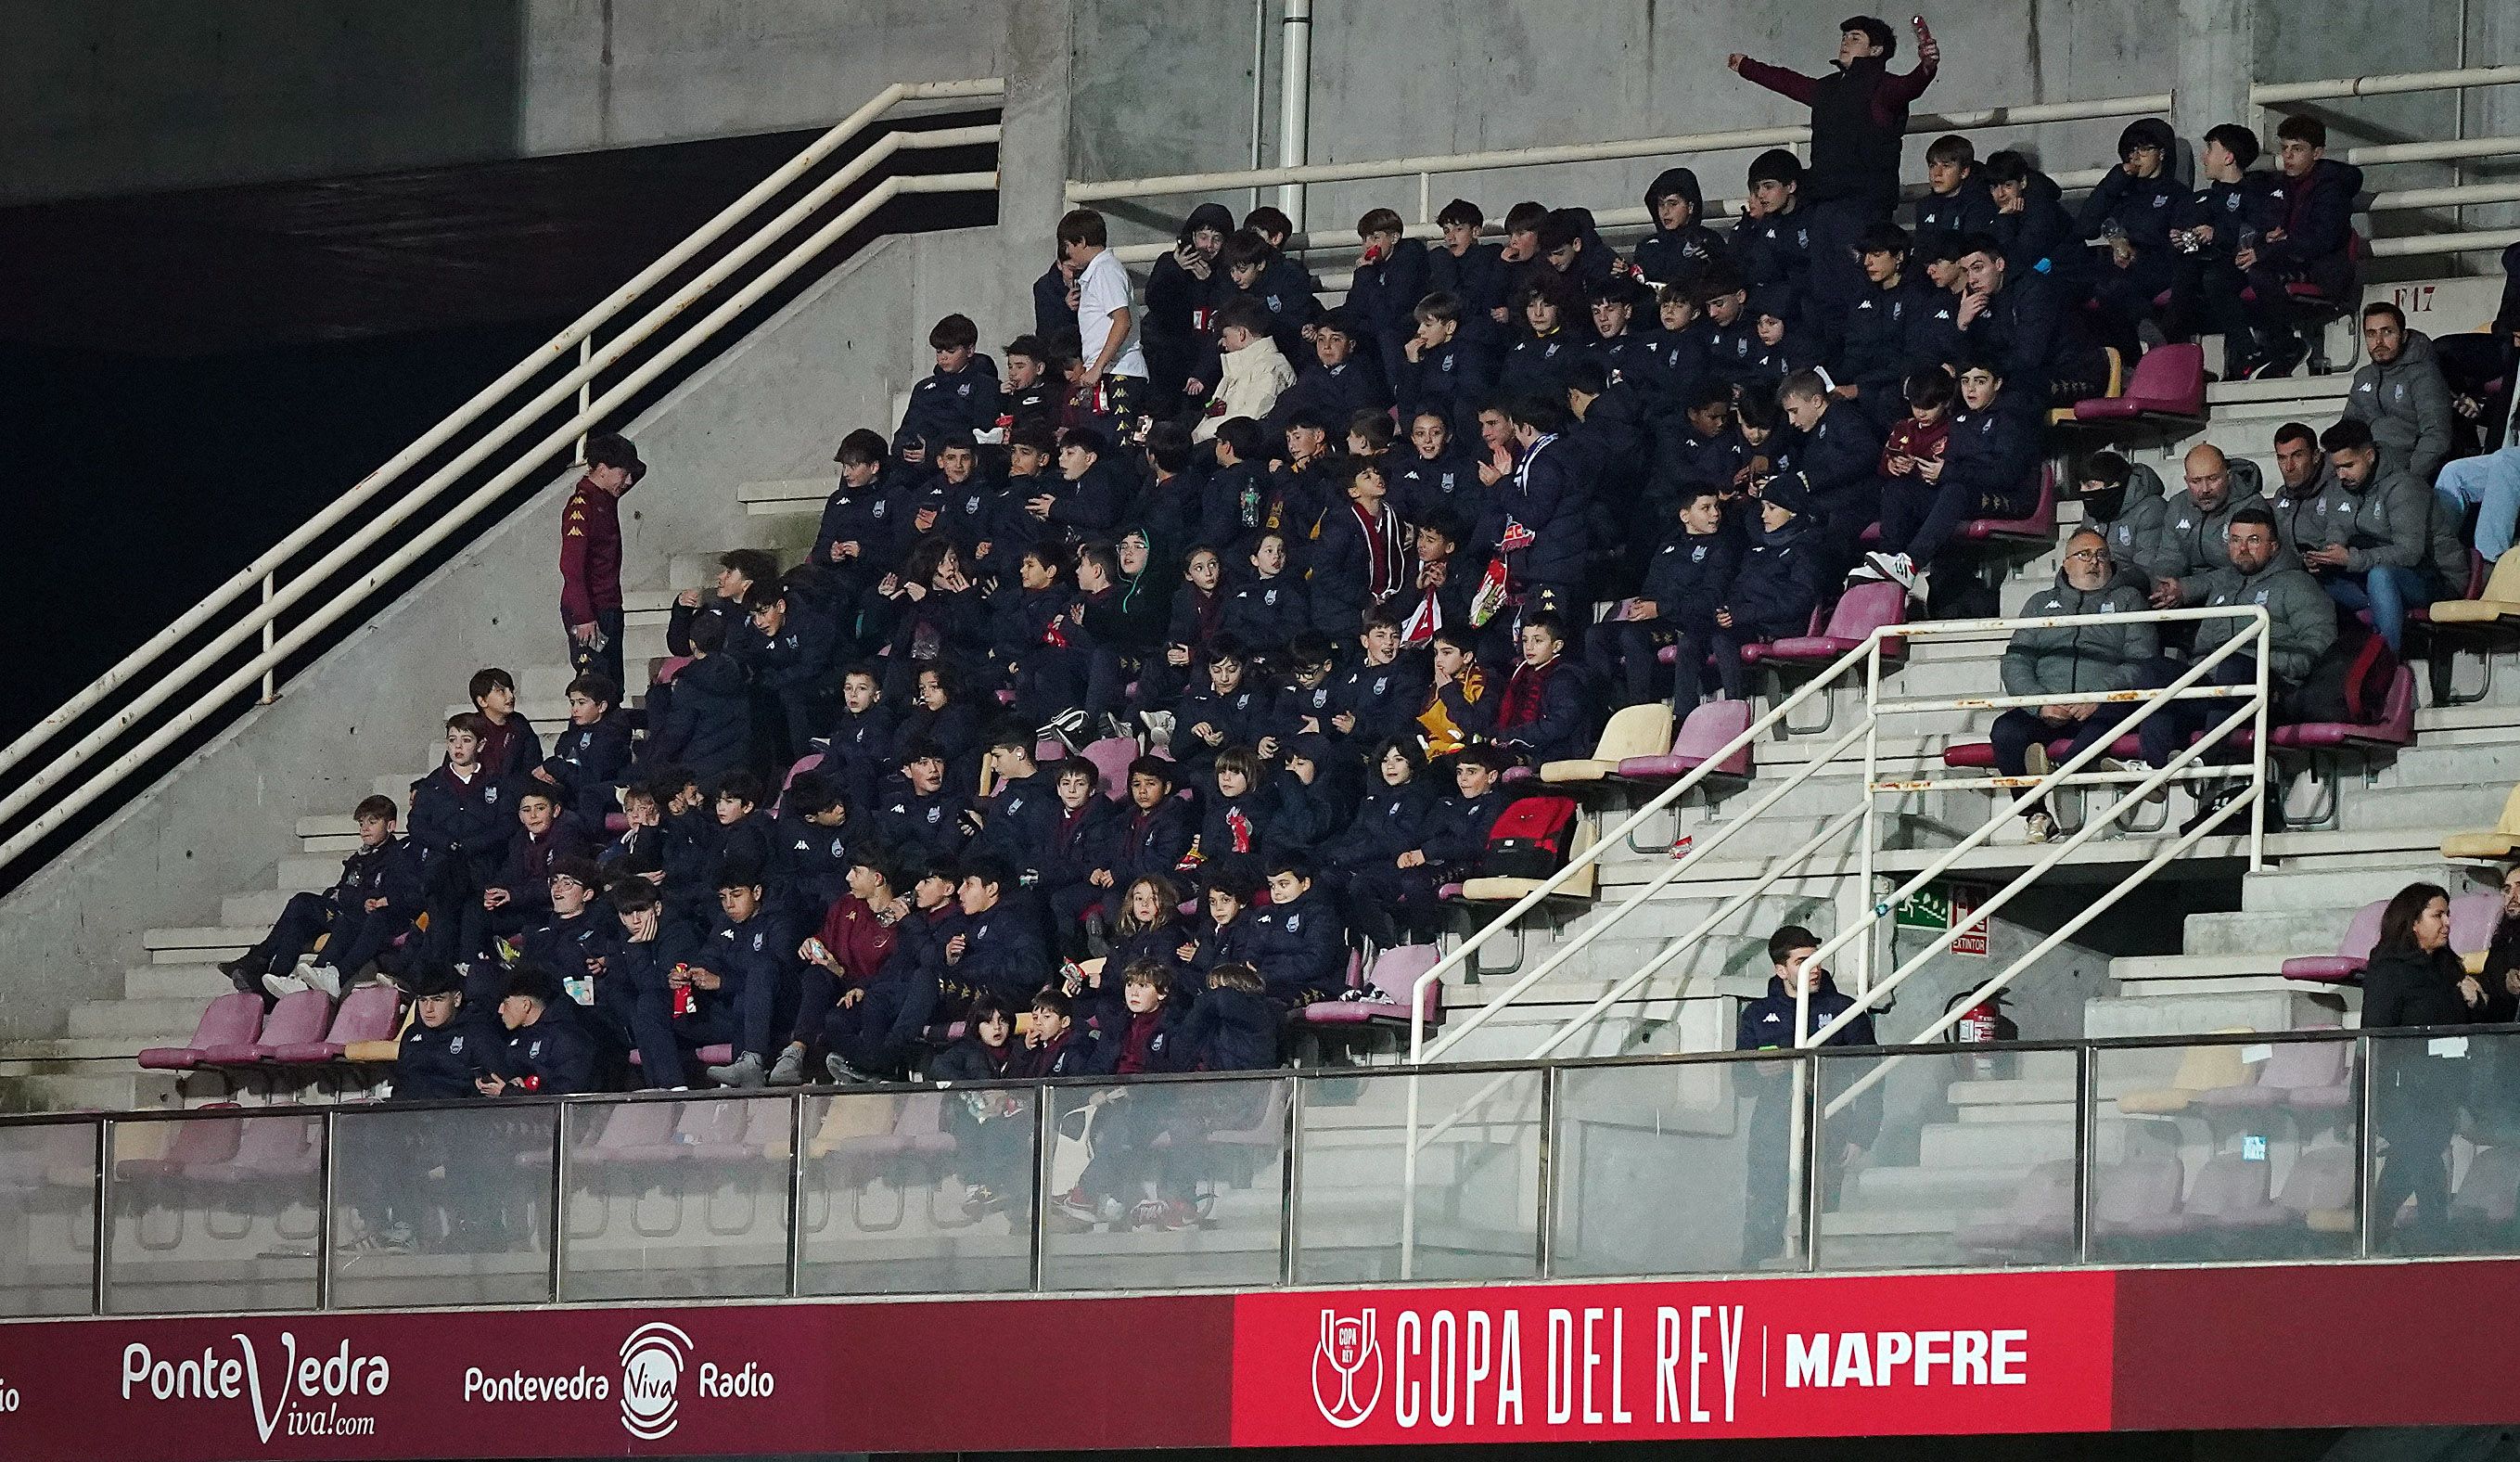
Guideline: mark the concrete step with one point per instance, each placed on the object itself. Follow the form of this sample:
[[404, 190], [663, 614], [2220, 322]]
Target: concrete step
[[799, 497], [86, 1086], [75, 1047], [146, 1023], [2310, 930], [196, 983], [2198, 1013], [2027, 1112], [303, 872], [2292, 889], [186, 946], [259, 909], [1950, 1145], [2180, 969]]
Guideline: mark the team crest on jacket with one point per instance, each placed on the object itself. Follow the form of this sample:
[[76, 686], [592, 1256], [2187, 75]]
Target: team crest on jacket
[[455, 1046], [491, 795], [1295, 922]]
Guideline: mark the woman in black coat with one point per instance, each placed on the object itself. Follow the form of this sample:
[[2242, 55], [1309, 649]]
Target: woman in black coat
[[2414, 979]]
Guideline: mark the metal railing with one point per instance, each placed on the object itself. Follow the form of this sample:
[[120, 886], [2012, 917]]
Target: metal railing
[[2111, 1152], [250, 603], [2254, 702]]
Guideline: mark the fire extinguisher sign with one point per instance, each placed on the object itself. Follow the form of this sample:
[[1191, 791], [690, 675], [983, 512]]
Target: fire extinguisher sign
[[1942, 904]]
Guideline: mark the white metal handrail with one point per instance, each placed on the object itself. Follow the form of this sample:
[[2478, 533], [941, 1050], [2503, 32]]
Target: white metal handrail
[[2275, 93], [256, 581], [1602, 845], [2254, 632]]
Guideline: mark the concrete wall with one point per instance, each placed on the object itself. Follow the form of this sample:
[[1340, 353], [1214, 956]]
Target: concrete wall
[[1171, 91], [1476, 74], [771, 408], [104, 97]]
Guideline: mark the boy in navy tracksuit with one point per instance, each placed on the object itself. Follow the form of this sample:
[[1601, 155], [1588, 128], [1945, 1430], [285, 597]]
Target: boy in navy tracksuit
[[1630, 360], [1874, 359], [1281, 286], [446, 1048], [1024, 818], [708, 728], [1149, 836], [1731, 341], [2310, 242], [1390, 279], [795, 664], [1000, 949], [1303, 702], [518, 896], [1343, 378], [1446, 367], [745, 981], [545, 1051], [1688, 448], [1473, 273], [1776, 588], [1989, 468], [461, 819], [1838, 463], [589, 759], [1686, 581], [922, 815], [1271, 608], [1957, 202], [1228, 710], [1299, 942], [1358, 562], [1538, 523], [1450, 841], [1543, 713], [859, 748], [577, 943], [1681, 245], [852, 542], [1678, 340], [358, 918], [1773, 245], [810, 861], [2206, 285], [960, 400], [2135, 210], [1436, 475], [1377, 699]]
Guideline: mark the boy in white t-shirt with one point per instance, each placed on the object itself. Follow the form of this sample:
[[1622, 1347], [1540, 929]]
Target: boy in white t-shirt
[[1114, 374]]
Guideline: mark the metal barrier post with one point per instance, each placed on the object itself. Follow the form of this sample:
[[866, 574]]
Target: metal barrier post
[[269, 672], [1289, 1182], [326, 1175]]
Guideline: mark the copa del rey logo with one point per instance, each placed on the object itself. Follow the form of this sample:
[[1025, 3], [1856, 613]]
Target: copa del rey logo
[[1347, 1369]]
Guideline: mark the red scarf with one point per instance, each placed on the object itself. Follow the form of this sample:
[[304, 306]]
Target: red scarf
[[1382, 547], [1525, 692]]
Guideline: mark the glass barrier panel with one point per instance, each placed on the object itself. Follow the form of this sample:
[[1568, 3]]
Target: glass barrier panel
[[2444, 1172], [926, 1192], [1164, 1184], [448, 1206], [215, 1213], [1947, 1156], [676, 1199], [2205, 1154], [1477, 1203], [48, 1219], [1671, 1169]]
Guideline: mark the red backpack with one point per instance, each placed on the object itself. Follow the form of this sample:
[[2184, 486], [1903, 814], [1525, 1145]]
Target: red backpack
[[1529, 838]]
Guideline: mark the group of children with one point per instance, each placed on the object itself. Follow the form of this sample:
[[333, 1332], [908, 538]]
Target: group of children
[[1334, 570]]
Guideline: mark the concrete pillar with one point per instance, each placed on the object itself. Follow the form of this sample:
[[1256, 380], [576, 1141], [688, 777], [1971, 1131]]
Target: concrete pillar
[[2218, 54], [1032, 150]]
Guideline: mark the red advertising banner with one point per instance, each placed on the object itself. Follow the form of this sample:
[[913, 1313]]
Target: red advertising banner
[[1953, 1354], [700, 1380], [1630, 1362]]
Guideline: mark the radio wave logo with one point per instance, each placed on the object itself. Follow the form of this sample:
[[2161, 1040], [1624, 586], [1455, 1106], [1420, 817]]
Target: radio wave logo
[[1347, 1369], [652, 1379]]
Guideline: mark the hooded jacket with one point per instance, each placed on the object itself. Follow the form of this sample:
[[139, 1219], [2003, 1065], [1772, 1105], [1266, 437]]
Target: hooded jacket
[[1676, 256], [2388, 524], [1250, 383], [1181, 306], [2130, 525], [2406, 404], [2188, 546], [2082, 657], [2304, 616]]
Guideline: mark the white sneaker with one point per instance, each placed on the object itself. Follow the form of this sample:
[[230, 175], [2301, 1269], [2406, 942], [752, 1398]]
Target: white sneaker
[[2142, 768], [323, 977], [281, 986], [2041, 828], [1864, 573], [1893, 566], [2034, 759]]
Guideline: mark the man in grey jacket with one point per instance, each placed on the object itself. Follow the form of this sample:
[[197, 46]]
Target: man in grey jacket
[[2378, 549], [2124, 500], [2307, 490], [2188, 546], [2400, 394], [2303, 624], [2070, 659]]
